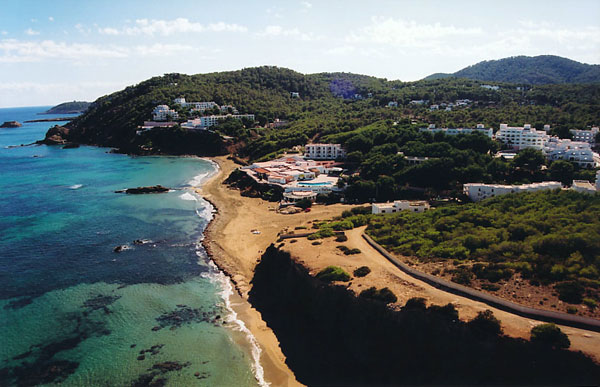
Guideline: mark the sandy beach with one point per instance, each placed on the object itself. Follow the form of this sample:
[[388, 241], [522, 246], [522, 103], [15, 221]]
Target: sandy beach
[[236, 250]]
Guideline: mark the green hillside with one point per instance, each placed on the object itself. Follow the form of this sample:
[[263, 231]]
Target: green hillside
[[352, 110], [537, 70], [68, 108]]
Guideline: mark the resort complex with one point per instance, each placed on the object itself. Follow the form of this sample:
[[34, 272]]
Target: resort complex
[[488, 132], [297, 174]]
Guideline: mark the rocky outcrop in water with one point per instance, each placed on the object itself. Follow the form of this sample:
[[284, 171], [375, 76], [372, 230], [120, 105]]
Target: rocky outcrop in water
[[331, 336], [56, 135], [145, 190], [11, 124]]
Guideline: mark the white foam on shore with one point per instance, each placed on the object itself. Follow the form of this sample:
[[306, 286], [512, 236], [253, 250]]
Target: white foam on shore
[[188, 196], [200, 178], [215, 275]]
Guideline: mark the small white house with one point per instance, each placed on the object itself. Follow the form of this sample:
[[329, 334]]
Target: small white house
[[399, 205]]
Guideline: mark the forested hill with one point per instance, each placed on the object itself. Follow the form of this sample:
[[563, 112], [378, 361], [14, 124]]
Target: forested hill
[[329, 105], [69, 108], [537, 70]]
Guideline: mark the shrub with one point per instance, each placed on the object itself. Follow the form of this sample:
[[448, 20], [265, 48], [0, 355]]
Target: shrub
[[304, 203], [300, 228], [415, 303], [571, 310], [486, 322], [342, 248], [316, 243], [384, 295], [490, 287], [341, 238], [362, 271], [447, 310], [352, 251], [462, 276], [590, 303], [570, 291], [333, 273], [549, 335]]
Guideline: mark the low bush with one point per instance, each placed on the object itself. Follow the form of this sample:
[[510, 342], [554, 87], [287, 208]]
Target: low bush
[[362, 271], [549, 335], [316, 243], [571, 310], [415, 303], [486, 322], [570, 291], [462, 276], [384, 295], [448, 311], [352, 251], [490, 287], [341, 238], [333, 273], [342, 248], [590, 303]]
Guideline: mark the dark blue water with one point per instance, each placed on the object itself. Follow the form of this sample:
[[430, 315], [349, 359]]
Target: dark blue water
[[75, 311]]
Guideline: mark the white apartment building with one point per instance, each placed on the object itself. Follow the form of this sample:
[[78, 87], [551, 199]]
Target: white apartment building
[[163, 113], [522, 137], [201, 106], [489, 132], [479, 191], [324, 151], [208, 121], [399, 205], [577, 152], [588, 136]]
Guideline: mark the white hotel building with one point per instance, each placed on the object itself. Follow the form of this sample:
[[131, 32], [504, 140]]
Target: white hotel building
[[208, 121], [478, 191], [577, 152], [588, 136], [324, 151], [489, 132], [523, 137], [163, 113]]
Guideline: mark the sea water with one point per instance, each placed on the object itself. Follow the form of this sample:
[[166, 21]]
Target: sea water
[[74, 311]]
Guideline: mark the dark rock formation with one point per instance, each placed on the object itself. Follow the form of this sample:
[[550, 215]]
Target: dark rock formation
[[56, 135], [145, 190], [330, 336], [11, 124]]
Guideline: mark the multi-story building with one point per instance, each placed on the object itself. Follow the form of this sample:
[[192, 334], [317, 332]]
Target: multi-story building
[[399, 205], [479, 191], [324, 151], [163, 113], [588, 136], [489, 132], [577, 152], [208, 121], [522, 137]]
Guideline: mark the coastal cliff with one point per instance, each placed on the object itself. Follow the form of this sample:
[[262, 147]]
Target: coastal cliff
[[329, 335]]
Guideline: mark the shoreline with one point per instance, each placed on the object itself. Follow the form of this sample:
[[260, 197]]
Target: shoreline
[[272, 361]]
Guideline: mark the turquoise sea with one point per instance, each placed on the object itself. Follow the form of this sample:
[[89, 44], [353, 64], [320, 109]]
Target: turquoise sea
[[75, 312]]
